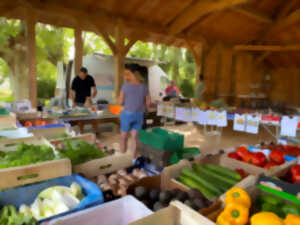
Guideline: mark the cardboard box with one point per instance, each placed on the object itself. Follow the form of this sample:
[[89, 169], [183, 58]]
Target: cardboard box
[[21, 175], [176, 213], [255, 170], [93, 168], [28, 115], [290, 189], [8, 121], [170, 173]]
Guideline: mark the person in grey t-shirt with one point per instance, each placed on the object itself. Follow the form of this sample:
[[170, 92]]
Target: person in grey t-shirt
[[134, 96]]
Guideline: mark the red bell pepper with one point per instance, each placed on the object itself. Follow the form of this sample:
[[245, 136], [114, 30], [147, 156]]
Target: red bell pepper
[[295, 171], [277, 156], [234, 155], [269, 165], [259, 159]]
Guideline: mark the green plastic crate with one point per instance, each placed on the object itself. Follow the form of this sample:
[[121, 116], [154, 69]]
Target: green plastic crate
[[161, 139], [185, 153]]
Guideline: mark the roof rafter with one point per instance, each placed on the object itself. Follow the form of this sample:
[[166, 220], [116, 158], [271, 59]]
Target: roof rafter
[[267, 48], [195, 11]]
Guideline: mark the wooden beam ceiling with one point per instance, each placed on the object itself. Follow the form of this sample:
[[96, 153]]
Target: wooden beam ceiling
[[267, 47], [97, 16], [197, 10], [254, 15]]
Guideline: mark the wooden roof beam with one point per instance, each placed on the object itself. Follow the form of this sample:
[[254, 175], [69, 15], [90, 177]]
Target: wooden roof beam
[[102, 17], [254, 15], [267, 47], [195, 11], [288, 6]]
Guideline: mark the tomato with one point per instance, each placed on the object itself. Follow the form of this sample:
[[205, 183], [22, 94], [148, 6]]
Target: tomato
[[269, 165], [277, 157], [247, 157], [259, 159], [28, 124], [234, 155], [241, 151], [241, 172]]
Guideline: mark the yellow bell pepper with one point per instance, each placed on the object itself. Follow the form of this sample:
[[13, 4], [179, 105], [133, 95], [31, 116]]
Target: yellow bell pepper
[[292, 220], [236, 214], [238, 196], [222, 220], [266, 218]]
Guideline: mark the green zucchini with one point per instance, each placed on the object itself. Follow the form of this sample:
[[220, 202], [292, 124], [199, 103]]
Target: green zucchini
[[190, 173], [193, 184], [224, 171], [227, 180], [219, 183]]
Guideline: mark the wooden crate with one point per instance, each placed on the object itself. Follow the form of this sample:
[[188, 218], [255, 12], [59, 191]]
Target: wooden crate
[[100, 166], [21, 175], [170, 173], [49, 133], [8, 121], [176, 213], [233, 164]]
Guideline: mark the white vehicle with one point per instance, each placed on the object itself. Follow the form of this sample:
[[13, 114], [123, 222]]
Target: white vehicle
[[101, 67]]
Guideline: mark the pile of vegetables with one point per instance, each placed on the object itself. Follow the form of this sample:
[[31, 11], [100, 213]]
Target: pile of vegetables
[[38, 122], [157, 199], [119, 182], [258, 158], [10, 216], [210, 180], [26, 154], [270, 210], [79, 151], [292, 176], [268, 203], [289, 150], [53, 201]]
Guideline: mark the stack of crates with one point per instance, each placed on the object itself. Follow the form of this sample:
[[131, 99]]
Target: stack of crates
[[159, 145]]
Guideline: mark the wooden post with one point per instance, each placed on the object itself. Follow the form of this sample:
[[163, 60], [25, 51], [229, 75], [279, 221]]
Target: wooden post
[[197, 52], [31, 57], [78, 49], [119, 58]]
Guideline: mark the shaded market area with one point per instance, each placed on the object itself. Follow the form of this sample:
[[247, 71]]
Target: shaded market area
[[140, 139]]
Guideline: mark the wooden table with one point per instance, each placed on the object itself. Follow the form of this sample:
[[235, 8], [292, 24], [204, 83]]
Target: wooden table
[[106, 117]]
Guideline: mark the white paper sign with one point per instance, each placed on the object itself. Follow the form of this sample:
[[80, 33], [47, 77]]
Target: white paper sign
[[239, 123], [222, 119], [183, 114], [195, 114], [170, 111], [211, 117], [202, 117], [289, 126], [252, 124], [160, 110]]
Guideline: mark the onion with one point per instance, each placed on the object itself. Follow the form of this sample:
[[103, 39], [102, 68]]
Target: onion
[[122, 172], [101, 179], [122, 191], [135, 172], [130, 178], [105, 187], [123, 181]]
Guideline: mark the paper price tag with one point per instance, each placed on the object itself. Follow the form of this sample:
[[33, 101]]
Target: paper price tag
[[289, 126], [170, 112], [252, 124], [211, 117], [239, 123], [183, 114], [160, 110], [222, 119]]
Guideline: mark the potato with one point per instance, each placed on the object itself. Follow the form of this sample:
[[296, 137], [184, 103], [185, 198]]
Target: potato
[[123, 181], [130, 178], [135, 172], [122, 191]]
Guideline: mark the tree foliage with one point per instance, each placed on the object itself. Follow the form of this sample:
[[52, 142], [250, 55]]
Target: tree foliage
[[55, 44]]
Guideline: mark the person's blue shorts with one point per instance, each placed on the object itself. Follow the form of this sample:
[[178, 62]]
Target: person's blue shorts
[[131, 121]]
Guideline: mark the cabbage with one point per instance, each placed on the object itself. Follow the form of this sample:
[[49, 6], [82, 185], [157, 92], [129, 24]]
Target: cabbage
[[53, 201]]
